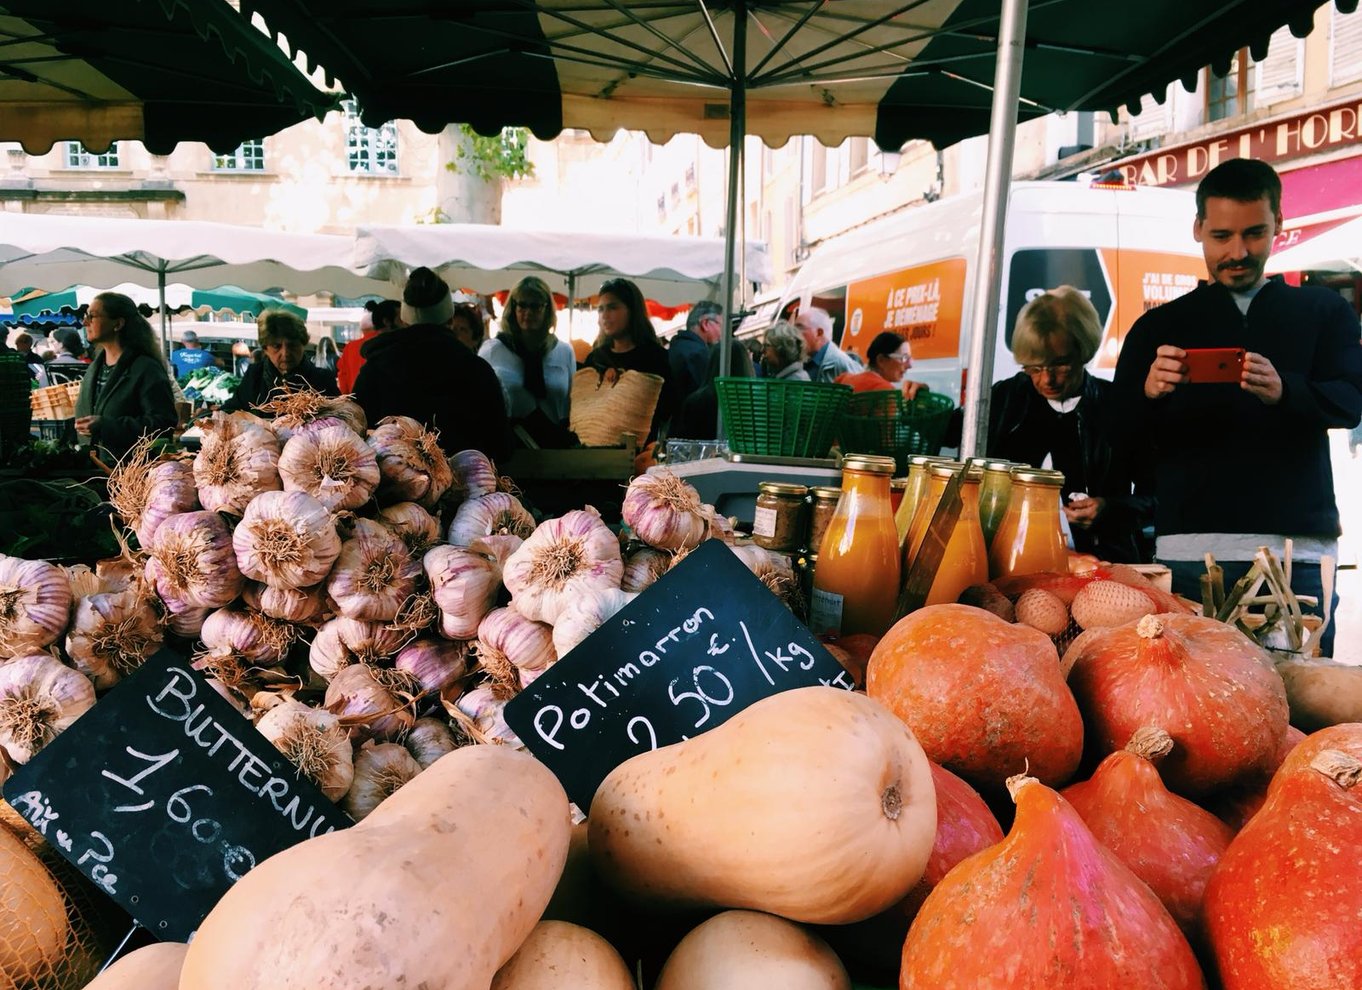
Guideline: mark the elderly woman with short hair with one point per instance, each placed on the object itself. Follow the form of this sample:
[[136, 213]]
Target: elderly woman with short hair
[[784, 353], [1053, 410], [283, 339]]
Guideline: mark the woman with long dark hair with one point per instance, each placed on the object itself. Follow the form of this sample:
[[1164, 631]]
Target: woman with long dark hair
[[126, 391], [628, 342], [534, 366]]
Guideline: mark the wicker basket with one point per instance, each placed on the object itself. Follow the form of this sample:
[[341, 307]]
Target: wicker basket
[[886, 423], [779, 418], [604, 407]]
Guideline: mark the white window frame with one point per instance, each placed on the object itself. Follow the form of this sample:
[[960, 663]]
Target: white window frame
[[1348, 68], [368, 150], [1265, 98], [249, 156], [75, 156]]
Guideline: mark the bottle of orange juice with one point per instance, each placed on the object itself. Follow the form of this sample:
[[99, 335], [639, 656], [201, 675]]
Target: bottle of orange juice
[[912, 494], [994, 495], [856, 584], [965, 561], [939, 473], [1029, 539]]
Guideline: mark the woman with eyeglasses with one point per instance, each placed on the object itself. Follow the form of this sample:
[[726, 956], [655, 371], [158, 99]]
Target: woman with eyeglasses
[[889, 357], [534, 366], [628, 341], [126, 392], [1053, 409]]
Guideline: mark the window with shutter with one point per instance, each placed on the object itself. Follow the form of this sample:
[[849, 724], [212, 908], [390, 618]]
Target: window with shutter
[[1345, 49], [1278, 76]]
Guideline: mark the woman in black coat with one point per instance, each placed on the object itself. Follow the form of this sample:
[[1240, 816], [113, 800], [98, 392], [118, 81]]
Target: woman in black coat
[[628, 342], [126, 391], [283, 337]]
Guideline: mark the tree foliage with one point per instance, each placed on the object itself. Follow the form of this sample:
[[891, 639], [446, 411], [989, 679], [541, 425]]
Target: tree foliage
[[502, 156]]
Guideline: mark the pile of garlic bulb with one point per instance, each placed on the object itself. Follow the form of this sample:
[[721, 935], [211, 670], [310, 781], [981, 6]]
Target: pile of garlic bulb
[[300, 563]]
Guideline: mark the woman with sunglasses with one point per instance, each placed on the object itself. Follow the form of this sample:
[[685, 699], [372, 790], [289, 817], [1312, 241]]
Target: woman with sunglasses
[[533, 365], [628, 341], [1054, 409], [889, 357]]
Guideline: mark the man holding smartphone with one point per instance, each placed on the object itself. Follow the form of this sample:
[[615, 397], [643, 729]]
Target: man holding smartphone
[[1241, 460]]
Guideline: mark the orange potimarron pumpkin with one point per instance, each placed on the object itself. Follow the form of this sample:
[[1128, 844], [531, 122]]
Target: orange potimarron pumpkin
[[1211, 687], [1282, 908], [1049, 907], [984, 697], [1167, 841]]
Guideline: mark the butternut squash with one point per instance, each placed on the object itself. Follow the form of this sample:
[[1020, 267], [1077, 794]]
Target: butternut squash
[[814, 804], [437, 888], [152, 967], [558, 955], [33, 924], [749, 949]]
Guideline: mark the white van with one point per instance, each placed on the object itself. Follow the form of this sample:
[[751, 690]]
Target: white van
[[913, 273]]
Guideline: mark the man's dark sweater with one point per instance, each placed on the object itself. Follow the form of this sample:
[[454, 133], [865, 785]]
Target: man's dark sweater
[[1225, 461], [423, 371]]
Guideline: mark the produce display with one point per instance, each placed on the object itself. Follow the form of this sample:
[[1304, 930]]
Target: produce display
[[1065, 780]]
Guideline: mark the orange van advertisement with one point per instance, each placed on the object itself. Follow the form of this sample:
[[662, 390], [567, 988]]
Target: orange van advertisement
[[921, 304], [1141, 281]]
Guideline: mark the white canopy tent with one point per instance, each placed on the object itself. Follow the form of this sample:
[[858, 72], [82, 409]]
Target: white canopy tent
[[52, 252], [669, 270], [1337, 250]]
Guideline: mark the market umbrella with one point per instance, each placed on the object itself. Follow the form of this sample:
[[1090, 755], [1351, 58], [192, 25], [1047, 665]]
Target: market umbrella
[[487, 259], [226, 299], [1336, 250], [935, 69], [157, 71], [52, 252]]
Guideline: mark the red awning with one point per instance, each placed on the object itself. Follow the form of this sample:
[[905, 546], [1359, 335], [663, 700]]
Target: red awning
[[1317, 198]]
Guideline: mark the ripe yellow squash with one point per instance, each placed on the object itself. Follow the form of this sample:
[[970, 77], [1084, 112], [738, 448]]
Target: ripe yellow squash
[[436, 888], [558, 955], [152, 967], [814, 804], [750, 949]]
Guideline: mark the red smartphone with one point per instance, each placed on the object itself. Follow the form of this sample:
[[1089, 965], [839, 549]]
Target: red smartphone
[[1214, 364]]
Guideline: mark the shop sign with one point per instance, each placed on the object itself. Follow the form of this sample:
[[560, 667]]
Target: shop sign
[[922, 304], [705, 641], [163, 795], [1313, 132]]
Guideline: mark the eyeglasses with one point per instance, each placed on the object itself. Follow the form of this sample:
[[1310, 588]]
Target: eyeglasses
[[900, 356], [91, 317], [1056, 367], [528, 305]]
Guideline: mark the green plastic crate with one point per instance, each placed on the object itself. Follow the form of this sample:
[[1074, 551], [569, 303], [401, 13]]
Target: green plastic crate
[[886, 423], [778, 418]]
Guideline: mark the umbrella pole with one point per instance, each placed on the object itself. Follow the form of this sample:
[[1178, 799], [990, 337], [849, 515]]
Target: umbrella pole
[[572, 304], [165, 329], [997, 181], [737, 132]]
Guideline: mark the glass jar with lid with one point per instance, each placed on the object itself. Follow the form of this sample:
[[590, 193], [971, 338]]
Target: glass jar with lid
[[994, 493], [1029, 539], [823, 501], [912, 494], [778, 523], [856, 584]]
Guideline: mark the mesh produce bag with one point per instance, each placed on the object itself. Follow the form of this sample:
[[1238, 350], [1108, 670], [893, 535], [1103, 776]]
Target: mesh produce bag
[[56, 929]]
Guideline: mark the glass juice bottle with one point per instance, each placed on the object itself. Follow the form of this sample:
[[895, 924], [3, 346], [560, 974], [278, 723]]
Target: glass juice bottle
[[917, 484], [856, 583], [1029, 539], [939, 472], [993, 496], [965, 561]]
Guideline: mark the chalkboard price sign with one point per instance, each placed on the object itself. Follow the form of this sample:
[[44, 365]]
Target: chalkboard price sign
[[705, 641], [164, 796]]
